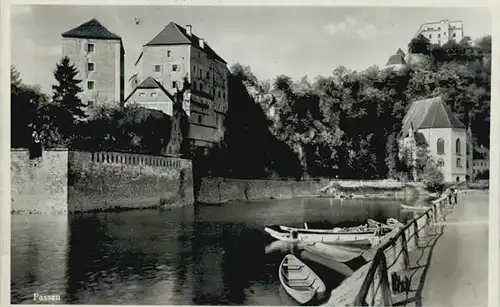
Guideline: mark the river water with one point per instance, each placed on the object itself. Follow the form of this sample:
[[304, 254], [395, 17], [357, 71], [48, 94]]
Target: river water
[[210, 255]]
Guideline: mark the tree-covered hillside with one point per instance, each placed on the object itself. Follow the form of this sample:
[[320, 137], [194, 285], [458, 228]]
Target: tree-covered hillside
[[347, 124]]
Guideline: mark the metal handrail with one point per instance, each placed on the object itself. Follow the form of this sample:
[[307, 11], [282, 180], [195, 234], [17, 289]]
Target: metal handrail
[[380, 258]]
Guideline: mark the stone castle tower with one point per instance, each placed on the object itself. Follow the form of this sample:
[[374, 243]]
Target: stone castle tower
[[99, 56]]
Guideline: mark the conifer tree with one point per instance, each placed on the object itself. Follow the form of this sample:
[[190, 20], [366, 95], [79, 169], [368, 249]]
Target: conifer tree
[[15, 77], [67, 106], [66, 91]]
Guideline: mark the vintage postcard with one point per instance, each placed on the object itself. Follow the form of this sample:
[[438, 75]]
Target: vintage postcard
[[250, 155]]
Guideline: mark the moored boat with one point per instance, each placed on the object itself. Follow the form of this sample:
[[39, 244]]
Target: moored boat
[[340, 238], [336, 230], [332, 252], [413, 208], [299, 281], [390, 224]]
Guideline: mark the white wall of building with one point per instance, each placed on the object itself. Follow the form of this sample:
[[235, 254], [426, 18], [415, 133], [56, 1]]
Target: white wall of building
[[449, 166]]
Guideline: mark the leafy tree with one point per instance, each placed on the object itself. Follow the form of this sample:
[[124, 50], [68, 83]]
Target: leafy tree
[[419, 44], [25, 103], [432, 177], [129, 129]]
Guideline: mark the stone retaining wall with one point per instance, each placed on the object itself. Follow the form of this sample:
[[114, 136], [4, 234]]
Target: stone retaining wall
[[61, 181], [220, 190]]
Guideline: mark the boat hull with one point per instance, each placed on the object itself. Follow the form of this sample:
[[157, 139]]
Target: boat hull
[[327, 231], [299, 281], [361, 239], [405, 207], [332, 252]]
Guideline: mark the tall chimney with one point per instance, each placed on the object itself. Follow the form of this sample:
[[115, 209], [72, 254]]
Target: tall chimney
[[202, 43], [188, 29]]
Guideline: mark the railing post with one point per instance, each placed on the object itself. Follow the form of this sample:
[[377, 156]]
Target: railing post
[[406, 258], [438, 210], [360, 299], [384, 281], [427, 218], [416, 234]]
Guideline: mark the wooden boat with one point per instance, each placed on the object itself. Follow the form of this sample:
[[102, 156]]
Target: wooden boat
[[332, 252], [337, 230], [390, 224], [413, 208], [341, 238], [299, 281], [283, 247], [336, 266]]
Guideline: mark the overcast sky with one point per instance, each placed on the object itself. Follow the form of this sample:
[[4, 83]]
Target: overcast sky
[[295, 41]]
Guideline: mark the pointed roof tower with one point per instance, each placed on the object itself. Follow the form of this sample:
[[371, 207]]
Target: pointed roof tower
[[396, 59], [91, 29]]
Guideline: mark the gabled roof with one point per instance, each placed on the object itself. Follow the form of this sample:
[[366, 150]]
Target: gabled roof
[[400, 52], [430, 113], [91, 29], [150, 83], [396, 59], [174, 34]]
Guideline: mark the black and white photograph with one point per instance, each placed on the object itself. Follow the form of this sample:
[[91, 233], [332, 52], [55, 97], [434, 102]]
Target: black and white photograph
[[241, 155]]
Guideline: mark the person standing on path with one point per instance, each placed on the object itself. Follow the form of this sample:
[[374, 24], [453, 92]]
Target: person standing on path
[[449, 195], [455, 195]]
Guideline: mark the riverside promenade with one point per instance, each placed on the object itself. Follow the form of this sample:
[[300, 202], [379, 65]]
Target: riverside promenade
[[448, 266], [458, 269]]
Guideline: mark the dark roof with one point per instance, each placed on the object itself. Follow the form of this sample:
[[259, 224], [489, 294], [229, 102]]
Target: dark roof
[[396, 59], [400, 52], [174, 34], [91, 29], [430, 113], [149, 83]]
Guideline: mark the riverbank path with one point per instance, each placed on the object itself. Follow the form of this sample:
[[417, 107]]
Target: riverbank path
[[458, 271]]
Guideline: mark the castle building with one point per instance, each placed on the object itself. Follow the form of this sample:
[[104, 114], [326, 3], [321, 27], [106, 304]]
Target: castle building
[[99, 56], [152, 95], [441, 32], [179, 61], [431, 126]]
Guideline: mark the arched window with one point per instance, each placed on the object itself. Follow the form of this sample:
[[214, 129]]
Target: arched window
[[440, 146], [458, 148]]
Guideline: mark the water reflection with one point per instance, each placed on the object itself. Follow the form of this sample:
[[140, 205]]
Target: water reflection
[[38, 254], [208, 255]]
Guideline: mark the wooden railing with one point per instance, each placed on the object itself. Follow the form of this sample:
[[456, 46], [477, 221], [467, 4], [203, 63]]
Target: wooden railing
[[392, 257]]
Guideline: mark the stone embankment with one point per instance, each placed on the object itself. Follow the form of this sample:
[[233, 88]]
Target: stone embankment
[[62, 181], [221, 190]]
